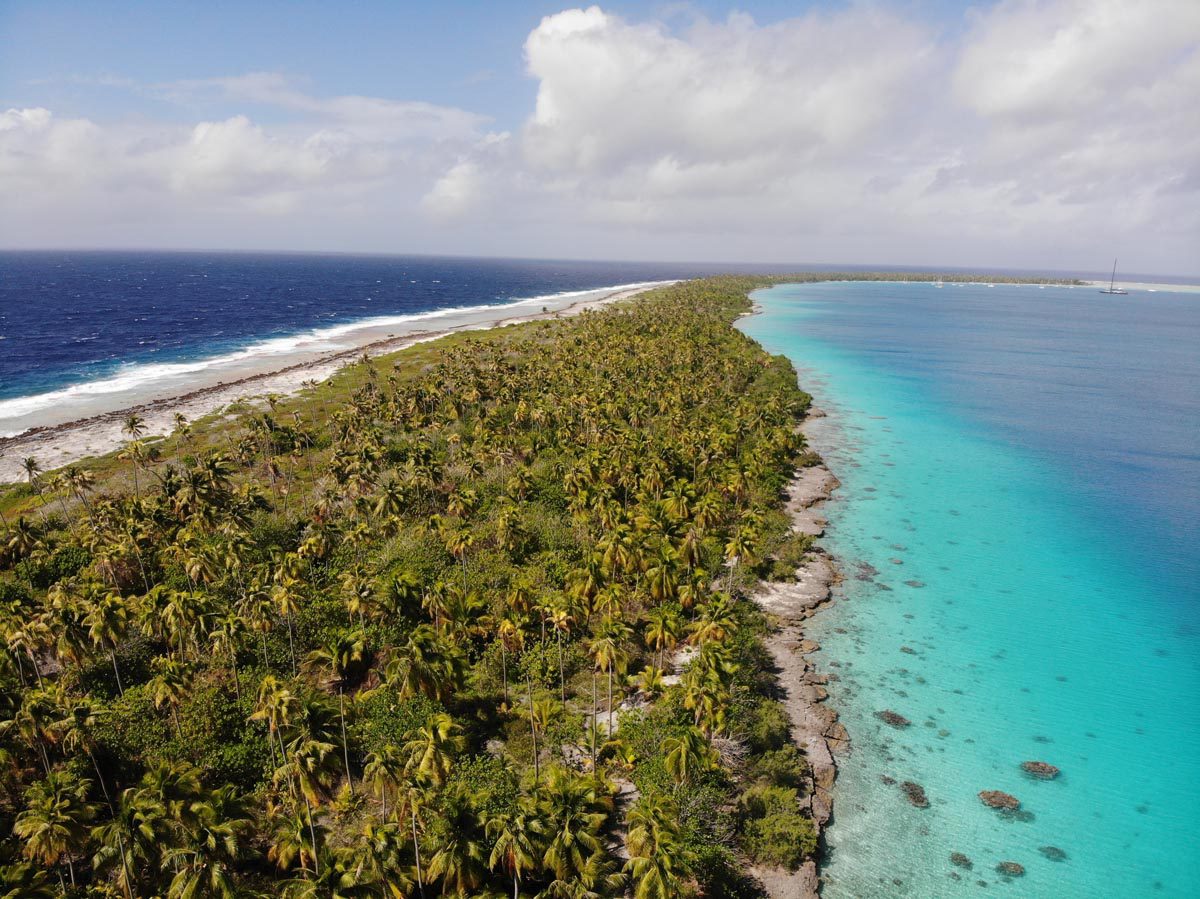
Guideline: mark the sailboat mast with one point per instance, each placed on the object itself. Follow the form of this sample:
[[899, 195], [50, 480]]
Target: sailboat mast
[[1113, 280]]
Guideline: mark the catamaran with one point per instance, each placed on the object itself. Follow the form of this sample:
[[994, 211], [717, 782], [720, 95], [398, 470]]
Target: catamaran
[[1112, 284]]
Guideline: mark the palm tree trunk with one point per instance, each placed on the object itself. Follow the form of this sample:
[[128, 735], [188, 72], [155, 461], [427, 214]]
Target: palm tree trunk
[[312, 832], [291, 643], [562, 676], [45, 757], [504, 670], [237, 685], [112, 654], [610, 707], [595, 720], [100, 777], [125, 866], [345, 744], [537, 771], [417, 851]]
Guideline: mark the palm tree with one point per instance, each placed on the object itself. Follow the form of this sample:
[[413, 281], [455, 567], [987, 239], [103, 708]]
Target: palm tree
[[515, 836], [277, 706], [510, 635], [32, 469], [431, 749], [22, 880], [574, 814], [418, 793], [54, 823], [688, 754], [337, 659], [426, 664], [384, 774], [170, 686], [210, 847], [226, 638], [563, 621], [77, 727], [607, 649], [658, 861], [339, 874], [460, 856], [737, 549], [107, 622], [292, 839], [663, 630], [36, 721], [287, 601]]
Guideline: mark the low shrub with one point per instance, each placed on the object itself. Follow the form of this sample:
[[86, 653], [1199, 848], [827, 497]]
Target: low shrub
[[774, 830]]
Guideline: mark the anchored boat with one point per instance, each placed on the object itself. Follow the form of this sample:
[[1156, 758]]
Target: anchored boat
[[1112, 284]]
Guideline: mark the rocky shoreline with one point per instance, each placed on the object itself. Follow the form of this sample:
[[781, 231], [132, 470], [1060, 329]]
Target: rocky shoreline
[[815, 725]]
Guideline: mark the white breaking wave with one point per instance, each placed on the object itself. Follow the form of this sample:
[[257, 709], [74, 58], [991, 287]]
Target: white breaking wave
[[133, 375]]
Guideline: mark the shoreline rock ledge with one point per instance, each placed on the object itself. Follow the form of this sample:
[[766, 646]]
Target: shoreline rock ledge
[[815, 725]]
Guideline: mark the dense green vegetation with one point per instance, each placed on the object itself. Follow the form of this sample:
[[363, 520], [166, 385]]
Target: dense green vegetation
[[469, 620]]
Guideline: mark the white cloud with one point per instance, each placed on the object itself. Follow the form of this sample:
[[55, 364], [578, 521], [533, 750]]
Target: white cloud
[[1047, 133], [222, 181]]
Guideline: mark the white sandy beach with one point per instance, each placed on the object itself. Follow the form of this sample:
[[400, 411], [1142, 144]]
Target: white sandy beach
[[1151, 286], [76, 423]]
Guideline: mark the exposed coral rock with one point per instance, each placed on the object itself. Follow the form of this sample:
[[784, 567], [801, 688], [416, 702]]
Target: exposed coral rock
[[915, 793], [895, 719], [1040, 770], [997, 799], [815, 726]]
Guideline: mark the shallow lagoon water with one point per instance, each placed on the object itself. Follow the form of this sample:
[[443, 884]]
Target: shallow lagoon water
[[1021, 581]]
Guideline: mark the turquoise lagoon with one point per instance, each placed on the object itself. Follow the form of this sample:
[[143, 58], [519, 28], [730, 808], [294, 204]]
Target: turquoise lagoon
[[1018, 525]]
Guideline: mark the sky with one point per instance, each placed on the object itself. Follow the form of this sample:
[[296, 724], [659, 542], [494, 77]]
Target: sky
[[1048, 134]]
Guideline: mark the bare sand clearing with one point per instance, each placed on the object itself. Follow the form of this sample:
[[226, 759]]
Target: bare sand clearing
[[77, 431]]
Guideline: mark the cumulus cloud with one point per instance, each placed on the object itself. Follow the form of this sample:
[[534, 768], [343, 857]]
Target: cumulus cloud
[[1048, 131], [222, 181], [1041, 133]]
